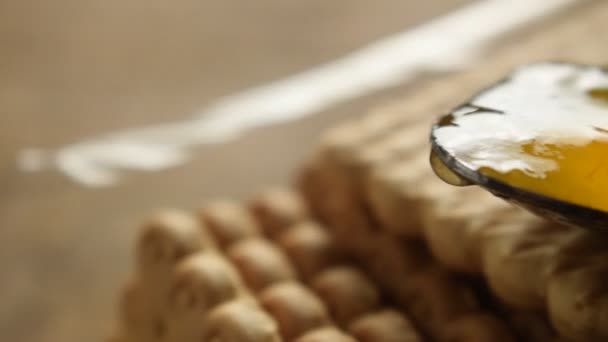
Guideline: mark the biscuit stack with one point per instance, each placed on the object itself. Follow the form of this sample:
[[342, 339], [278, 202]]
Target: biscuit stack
[[267, 271], [371, 184], [259, 272]]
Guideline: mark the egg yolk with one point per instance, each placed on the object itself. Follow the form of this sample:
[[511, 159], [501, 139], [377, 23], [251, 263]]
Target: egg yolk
[[581, 175]]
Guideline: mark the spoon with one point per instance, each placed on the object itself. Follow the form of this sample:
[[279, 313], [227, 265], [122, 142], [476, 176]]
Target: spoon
[[538, 138]]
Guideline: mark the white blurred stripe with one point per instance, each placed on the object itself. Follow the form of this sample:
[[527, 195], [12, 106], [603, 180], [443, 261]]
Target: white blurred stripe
[[446, 43]]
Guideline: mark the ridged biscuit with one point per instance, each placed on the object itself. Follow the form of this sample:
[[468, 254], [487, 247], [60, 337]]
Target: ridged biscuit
[[347, 292], [296, 309], [278, 209], [384, 326], [260, 263], [228, 221], [239, 321]]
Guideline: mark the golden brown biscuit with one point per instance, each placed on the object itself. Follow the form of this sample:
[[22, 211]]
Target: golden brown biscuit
[[347, 171], [453, 227], [240, 321], [399, 143], [200, 283], [141, 315], [351, 230], [278, 209], [399, 192], [310, 248], [165, 239], [384, 326], [531, 326], [347, 292], [353, 168], [260, 263], [313, 185], [339, 197], [229, 221], [518, 256], [433, 297], [296, 309], [203, 281], [325, 334], [577, 296], [477, 327], [389, 258]]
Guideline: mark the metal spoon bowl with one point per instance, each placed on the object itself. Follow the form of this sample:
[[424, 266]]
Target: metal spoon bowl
[[453, 172], [457, 171]]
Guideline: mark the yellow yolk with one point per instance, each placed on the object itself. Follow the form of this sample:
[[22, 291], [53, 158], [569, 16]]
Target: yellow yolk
[[544, 129], [581, 176]]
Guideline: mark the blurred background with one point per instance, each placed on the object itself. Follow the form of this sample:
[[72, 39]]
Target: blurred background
[[73, 69]]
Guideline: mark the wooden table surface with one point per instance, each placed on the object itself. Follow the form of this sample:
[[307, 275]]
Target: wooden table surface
[[71, 69]]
